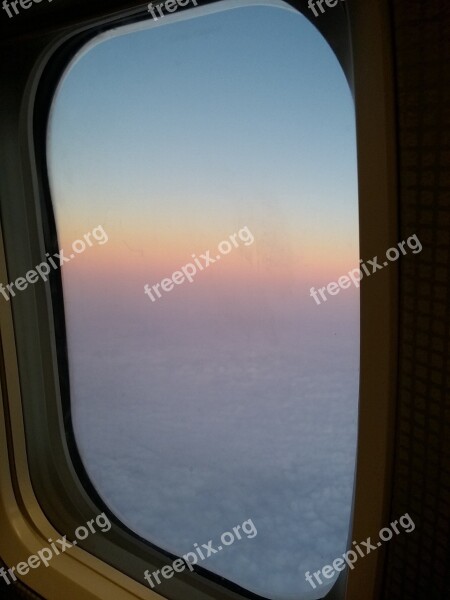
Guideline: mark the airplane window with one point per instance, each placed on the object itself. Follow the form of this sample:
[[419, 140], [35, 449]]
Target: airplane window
[[206, 170]]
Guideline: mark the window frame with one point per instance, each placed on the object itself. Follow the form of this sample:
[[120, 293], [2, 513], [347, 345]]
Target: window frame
[[44, 488]]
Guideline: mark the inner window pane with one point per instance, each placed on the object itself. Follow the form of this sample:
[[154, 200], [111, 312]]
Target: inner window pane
[[232, 396]]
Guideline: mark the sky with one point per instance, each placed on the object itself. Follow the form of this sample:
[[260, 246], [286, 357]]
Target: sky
[[234, 396]]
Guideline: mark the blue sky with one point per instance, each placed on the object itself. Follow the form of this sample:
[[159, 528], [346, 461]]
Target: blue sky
[[209, 93]]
